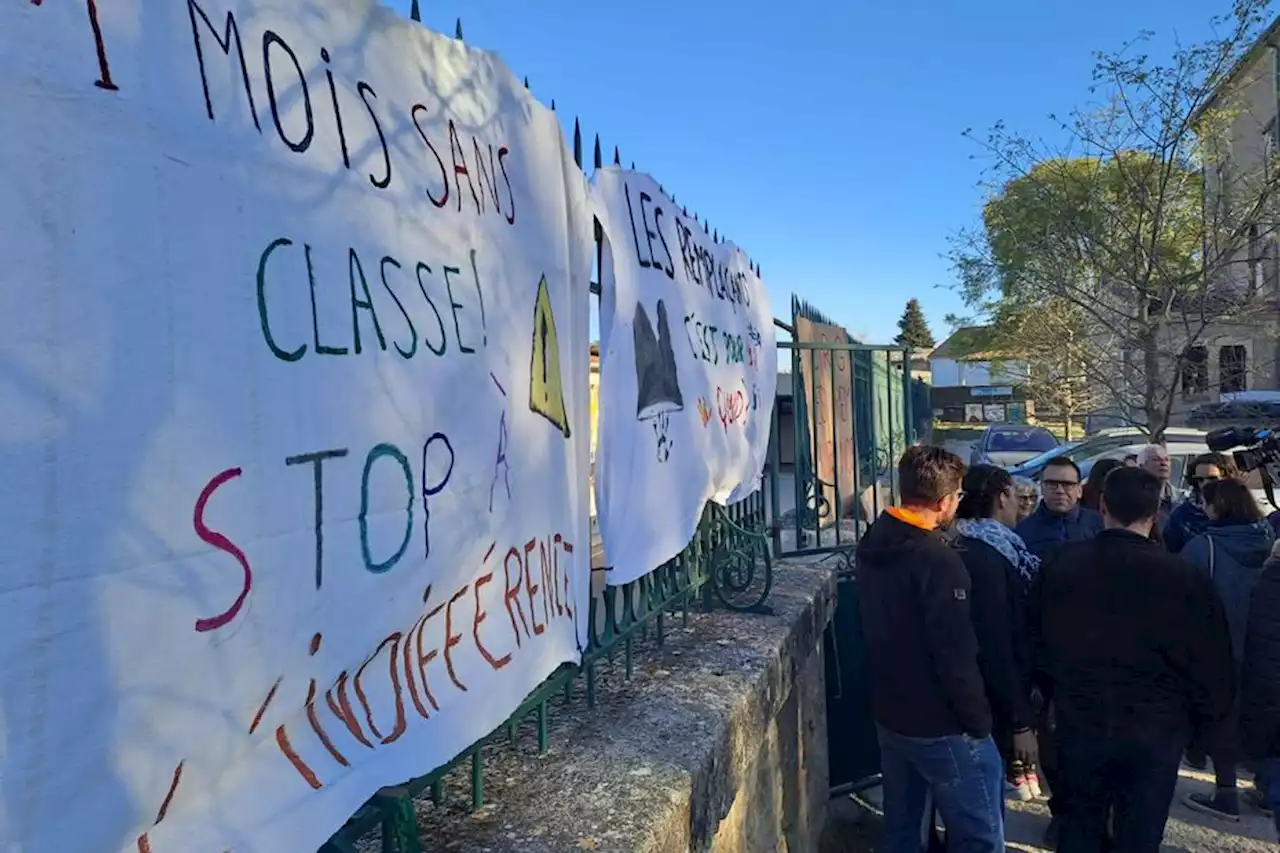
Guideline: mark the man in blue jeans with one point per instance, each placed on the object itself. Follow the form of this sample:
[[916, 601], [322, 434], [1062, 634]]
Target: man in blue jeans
[[927, 692], [1132, 647]]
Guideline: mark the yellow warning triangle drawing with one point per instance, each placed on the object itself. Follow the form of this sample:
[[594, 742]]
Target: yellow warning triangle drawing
[[546, 390]]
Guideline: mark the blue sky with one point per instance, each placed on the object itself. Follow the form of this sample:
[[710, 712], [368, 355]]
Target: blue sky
[[823, 136]]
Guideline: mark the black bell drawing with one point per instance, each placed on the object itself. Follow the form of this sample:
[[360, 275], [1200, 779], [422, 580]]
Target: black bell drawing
[[657, 385]]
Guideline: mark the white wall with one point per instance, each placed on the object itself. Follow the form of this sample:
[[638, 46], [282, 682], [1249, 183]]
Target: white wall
[[943, 373], [946, 373]]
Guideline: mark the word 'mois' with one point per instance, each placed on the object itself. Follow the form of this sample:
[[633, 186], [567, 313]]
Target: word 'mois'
[[483, 177]]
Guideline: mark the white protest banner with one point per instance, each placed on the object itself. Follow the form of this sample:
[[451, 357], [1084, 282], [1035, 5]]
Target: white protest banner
[[688, 371], [293, 416]]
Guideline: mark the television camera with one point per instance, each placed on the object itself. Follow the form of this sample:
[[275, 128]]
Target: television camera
[[1258, 450]]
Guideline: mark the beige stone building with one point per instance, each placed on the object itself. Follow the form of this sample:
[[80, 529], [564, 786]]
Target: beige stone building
[[1245, 112]]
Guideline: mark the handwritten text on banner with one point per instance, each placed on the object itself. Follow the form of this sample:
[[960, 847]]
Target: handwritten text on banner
[[293, 415], [688, 370]]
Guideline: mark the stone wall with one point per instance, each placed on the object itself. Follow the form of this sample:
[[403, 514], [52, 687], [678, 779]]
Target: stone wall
[[717, 743]]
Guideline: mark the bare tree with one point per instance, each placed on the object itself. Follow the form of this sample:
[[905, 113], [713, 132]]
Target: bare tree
[[1061, 359], [1114, 261]]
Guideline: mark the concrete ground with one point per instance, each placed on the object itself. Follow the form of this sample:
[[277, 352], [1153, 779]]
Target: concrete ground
[[850, 830]]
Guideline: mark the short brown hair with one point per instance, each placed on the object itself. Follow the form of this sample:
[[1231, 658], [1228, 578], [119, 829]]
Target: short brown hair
[[1231, 500], [928, 474]]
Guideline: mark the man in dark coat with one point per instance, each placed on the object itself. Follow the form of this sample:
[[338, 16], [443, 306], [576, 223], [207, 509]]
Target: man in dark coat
[[1132, 647], [1260, 685], [927, 692], [1059, 518]]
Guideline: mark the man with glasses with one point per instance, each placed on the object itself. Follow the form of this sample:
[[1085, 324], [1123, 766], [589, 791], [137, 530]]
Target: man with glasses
[[928, 697], [1059, 518], [1188, 519]]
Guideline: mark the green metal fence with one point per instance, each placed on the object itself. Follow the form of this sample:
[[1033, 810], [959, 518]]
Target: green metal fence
[[727, 564], [827, 515]]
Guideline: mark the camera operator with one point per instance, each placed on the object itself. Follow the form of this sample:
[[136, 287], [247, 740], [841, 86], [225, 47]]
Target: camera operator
[[1189, 519]]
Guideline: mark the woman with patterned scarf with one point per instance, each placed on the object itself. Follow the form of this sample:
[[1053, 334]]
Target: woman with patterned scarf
[[1001, 568]]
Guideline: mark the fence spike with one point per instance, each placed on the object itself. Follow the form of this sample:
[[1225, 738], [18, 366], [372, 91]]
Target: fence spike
[[526, 81], [457, 30], [617, 156], [684, 210], [415, 13], [633, 165], [577, 142], [715, 238], [706, 227], [596, 158], [553, 105]]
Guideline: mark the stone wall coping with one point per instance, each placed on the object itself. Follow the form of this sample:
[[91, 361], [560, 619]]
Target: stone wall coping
[[655, 765]]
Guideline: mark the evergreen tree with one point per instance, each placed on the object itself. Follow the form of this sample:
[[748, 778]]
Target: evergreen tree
[[913, 330]]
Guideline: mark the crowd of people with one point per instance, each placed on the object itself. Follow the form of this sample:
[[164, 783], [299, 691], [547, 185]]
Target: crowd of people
[[1090, 636]]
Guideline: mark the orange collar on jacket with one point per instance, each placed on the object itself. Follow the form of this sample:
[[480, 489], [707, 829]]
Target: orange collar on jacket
[[906, 516]]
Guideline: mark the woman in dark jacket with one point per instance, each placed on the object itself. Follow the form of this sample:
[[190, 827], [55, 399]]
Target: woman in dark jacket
[[1188, 519], [1000, 570], [1232, 551]]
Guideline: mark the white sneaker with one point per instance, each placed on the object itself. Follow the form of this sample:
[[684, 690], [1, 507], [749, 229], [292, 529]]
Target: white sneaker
[[1032, 780]]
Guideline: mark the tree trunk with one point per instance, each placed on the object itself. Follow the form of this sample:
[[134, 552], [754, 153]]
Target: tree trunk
[[1154, 411]]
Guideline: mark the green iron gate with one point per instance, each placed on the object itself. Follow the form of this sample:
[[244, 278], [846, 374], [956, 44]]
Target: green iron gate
[[851, 418]]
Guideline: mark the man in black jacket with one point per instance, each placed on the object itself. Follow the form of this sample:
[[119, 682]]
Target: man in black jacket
[[1260, 684], [1131, 645], [927, 692], [1059, 519]]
